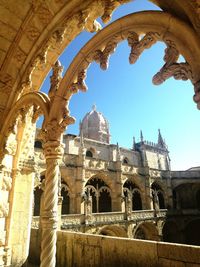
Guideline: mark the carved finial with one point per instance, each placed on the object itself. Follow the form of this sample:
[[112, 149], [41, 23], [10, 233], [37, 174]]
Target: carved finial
[[118, 152], [81, 135], [133, 142], [161, 142], [55, 78], [94, 107], [141, 136]]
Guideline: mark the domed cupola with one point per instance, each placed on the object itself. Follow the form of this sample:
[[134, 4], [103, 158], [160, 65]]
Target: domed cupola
[[95, 126]]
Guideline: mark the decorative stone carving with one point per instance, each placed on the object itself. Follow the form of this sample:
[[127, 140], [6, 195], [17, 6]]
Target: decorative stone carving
[[32, 32], [53, 152], [20, 56], [6, 82], [137, 47], [26, 166], [44, 13], [180, 71], [197, 94], [4, 207], [7, 181], [110, 6], [55, 79]]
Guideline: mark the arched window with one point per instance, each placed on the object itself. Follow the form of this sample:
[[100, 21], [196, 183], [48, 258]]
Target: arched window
[[38, 144], [66, 200], [89, 154], [101, 195], [37, 199], [158, 196], [161, 200], [133, 190], [136, 200]]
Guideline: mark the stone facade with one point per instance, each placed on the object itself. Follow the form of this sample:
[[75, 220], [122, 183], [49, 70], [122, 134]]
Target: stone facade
[[110, 190]]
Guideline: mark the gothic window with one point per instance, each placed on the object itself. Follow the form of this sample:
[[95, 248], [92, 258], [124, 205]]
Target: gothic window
[[158, 196], [65, 200], [101, 195], [37, 199], [89, 154], [136, 200], [134, 192]]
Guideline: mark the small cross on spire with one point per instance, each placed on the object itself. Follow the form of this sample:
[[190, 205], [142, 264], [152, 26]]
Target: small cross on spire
[[94, 107]]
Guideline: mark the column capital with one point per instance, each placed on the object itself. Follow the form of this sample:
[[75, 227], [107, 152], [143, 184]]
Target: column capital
[[53, 149]]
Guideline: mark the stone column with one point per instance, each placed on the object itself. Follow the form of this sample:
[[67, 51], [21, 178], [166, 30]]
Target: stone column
[[53, 151]]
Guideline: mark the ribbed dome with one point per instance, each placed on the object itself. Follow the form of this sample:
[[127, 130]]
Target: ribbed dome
[[95, 126]]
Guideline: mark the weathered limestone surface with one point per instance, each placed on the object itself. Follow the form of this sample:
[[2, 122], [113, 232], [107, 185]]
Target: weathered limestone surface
[[81, 250]]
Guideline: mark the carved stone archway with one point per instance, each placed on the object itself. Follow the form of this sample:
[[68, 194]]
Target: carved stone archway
[[141, 30]]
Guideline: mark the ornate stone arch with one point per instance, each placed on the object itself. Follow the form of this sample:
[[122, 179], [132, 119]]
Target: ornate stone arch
[[100, 193], [113, 230], [160, 192], [146, 231], [104, 177], [154, 26], [171, 231]]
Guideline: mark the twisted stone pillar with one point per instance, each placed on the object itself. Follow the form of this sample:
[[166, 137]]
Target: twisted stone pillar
[[53, 152]]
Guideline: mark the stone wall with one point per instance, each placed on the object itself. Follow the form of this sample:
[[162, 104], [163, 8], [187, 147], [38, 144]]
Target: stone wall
[[76, 249]]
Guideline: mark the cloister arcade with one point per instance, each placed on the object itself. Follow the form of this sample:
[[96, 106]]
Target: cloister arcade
[[37, 36]]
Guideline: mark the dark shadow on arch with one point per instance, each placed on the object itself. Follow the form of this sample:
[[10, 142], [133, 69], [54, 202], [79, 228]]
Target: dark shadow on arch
[[38, 191], [65, 201], [171, 232], [37, 201], [113, 230], [146, 231]]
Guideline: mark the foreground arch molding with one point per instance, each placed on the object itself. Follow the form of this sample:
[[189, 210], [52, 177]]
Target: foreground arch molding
[[156, 26]]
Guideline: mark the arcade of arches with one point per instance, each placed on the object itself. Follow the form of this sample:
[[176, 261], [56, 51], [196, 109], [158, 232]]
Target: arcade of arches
[[144, 199]]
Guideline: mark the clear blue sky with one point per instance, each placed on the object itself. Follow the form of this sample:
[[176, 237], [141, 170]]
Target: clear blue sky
[[128, 99]]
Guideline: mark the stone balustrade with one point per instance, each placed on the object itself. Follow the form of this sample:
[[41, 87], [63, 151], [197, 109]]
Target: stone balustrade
[[107, 217], [130, 169], [72, 220]]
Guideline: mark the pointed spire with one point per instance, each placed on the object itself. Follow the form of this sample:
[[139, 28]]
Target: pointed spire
[[161, 142], [118, 153], [133, 142], [81, 135], [94, 107], [141, 136]]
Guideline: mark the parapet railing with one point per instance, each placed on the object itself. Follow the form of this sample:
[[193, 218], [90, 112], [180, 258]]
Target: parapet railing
[[106, 218]]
